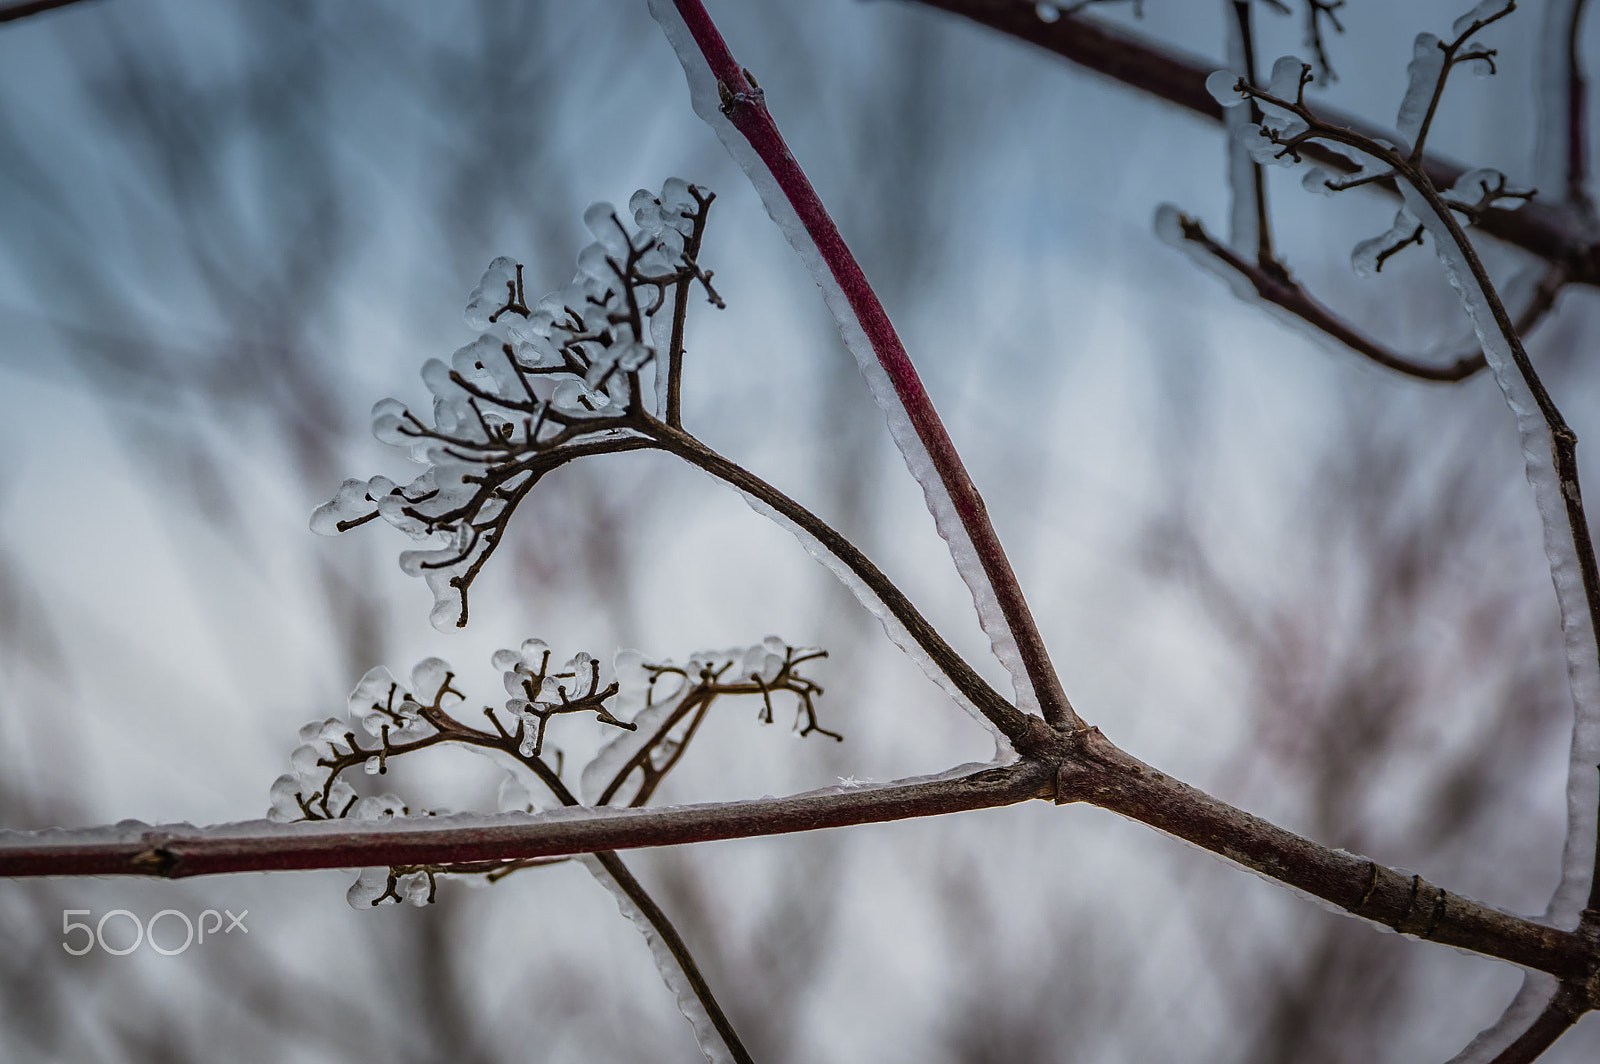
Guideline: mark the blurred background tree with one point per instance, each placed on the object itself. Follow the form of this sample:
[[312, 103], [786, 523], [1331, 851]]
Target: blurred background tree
[[1312, 588]]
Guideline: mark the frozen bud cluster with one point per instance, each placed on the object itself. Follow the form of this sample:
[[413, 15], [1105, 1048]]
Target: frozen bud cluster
[[540, 379], [383, 718], [665, 699], [376, 886], [539, 691]]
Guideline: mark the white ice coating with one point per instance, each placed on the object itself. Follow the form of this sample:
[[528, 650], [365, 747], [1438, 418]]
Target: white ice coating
[[1485, 10], [1244, 229], [1368, 256], [603, 768], [491, 399], [706, 101], [1552, 102], [1422, 75], [649, 701], [1535, 993], [1583, 667], [705, 1032]]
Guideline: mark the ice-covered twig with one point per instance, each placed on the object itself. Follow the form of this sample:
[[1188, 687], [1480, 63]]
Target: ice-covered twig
[[1430, 68], [1318, 11], [410, 718], [1566, 1006], [1249, 223], [1278, 288], [1550, 452], [1098, 773], [725, 97], [543, 384], [1550, 230]]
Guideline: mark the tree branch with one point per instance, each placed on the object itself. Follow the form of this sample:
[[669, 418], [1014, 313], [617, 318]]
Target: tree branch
[[745, 108], [1281, 290], [179, 851], [12, 12], [1549, 230], [1085, 767]]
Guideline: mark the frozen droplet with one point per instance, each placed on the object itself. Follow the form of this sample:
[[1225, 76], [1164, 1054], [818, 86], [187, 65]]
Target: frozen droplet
[[1481, 65], [1046, 12], [493, 292], [646, 209], [369, 886], [428, 678], [1222, 85], [378, 807], [340, 795], [602, 220], [373, 691], [632, 357], [446, 614], [1316, 180], [1483, 12], [1368, 257], [416, 888], [373, 765], [304, 762], [574, 397], [285, 799], [594, 262], [350, 503], [676, 197]]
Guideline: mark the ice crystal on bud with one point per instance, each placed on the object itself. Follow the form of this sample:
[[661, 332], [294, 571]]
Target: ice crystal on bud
[[542, 384], [368, 889], [1223, 87], [1486, 11], [1369, 256], [668, 700]]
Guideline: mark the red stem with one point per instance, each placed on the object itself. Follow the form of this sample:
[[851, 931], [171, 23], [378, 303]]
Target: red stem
[[748, 113]]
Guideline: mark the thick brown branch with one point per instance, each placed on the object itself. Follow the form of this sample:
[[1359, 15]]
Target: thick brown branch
[[1107, 777], [179, 851], [1085, 768]]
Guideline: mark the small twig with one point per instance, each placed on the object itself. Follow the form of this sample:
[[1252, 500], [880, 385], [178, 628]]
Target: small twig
[[1316, 12], [1550, 231], [1283, 291]]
